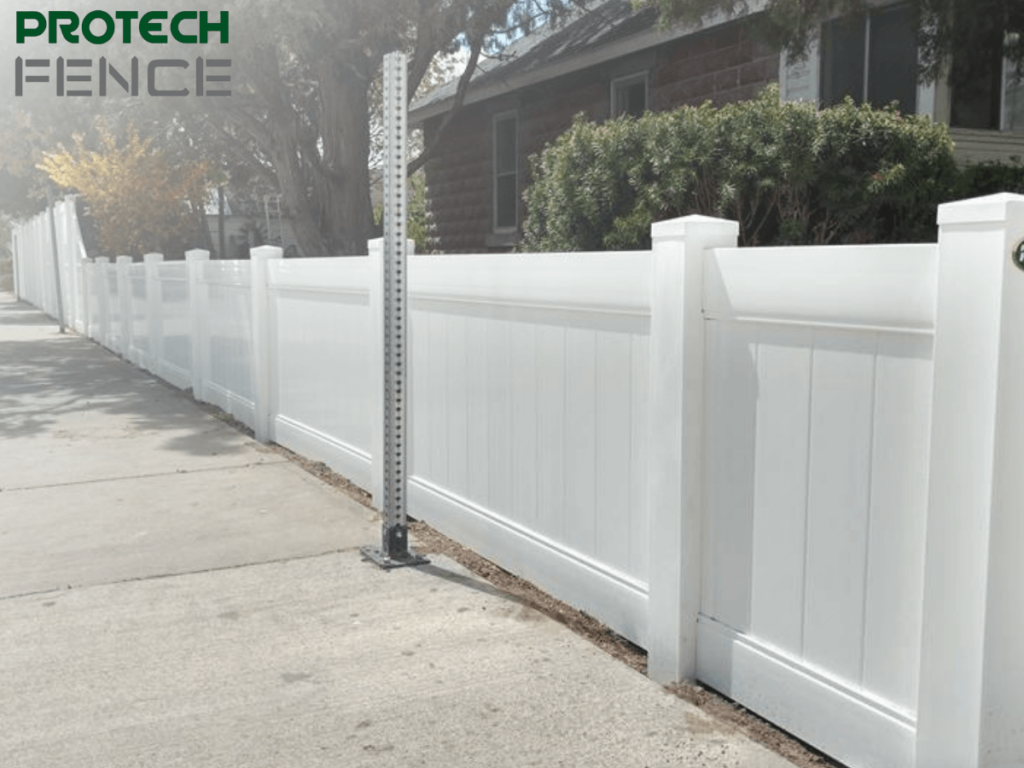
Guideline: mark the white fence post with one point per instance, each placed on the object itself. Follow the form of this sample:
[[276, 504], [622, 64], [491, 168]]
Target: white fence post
[[100, 266], [88, 281], [72, 261], [16, 261], [971, 693], [375, 248], [676, 445], [124, 296], [262, 354], [197, 308], [154, 311]]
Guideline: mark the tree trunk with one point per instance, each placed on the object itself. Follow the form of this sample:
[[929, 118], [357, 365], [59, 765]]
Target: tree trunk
[[295, 198], [344, 183]]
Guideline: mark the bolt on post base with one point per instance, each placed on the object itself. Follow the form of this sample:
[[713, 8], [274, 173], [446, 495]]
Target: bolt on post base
[[389, 561]]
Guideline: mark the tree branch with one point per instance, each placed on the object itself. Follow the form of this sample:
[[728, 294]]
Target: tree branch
[[460, 97]]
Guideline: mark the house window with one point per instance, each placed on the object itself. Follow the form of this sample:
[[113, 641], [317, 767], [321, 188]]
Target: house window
[[629, 95], [506, 200], [985, 91], [871, 57], [1013, 99]]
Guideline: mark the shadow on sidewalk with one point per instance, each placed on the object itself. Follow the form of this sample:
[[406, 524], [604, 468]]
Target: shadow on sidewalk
[[19, 313], [46, 377]]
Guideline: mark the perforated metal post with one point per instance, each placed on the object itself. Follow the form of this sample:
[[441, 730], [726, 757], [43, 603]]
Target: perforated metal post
[[394, 550]]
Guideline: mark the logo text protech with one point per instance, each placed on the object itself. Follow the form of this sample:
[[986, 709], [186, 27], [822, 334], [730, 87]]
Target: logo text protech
[[99, 27], [67, 25]]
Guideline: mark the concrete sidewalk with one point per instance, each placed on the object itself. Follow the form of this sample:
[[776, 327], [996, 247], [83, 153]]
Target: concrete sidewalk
[[173, 594]]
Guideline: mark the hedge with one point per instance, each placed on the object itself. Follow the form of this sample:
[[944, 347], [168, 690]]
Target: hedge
[[788, 172]]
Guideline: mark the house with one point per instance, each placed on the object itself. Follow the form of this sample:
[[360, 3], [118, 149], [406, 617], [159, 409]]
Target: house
[[246, 222], [614, 59]]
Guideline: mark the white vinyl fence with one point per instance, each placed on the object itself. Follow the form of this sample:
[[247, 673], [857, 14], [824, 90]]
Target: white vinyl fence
[[792, 473]]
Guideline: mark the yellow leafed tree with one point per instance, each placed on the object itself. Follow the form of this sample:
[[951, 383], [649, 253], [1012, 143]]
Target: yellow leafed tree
[[138, 199]]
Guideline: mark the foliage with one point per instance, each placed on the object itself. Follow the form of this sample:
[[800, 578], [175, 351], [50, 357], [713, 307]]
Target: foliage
[[419, 224], [139, 200], [786, 171], [419, 221], [992, 177], [302, 81], [964, 30]]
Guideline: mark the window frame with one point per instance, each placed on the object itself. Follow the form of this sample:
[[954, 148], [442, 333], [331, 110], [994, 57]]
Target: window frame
[[497, 173], [618, 83], [868, 21], [802, 79], [1007, 112]]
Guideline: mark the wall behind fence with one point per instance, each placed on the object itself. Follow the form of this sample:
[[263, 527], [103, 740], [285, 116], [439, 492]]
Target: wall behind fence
[[788, 472]]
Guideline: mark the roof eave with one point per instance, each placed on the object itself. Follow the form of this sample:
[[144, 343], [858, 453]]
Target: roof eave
[[599, 55]]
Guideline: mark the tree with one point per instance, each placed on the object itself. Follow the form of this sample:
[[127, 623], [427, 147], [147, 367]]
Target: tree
[[302, 75], [139, 200], [964, 31], [304, 84]]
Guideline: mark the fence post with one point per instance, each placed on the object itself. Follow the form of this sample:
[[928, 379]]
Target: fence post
[[971, 691], [16, 265], [101, 265], [676, 439], [375, 248], [197, 303], [88, 283], [154, 311], [262, 354], [124, 296]]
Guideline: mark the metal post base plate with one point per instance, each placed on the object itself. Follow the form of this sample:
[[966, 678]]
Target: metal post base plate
[[377, 555]]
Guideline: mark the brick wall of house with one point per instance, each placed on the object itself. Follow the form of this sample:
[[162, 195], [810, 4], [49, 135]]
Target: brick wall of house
[[725, 64], [458, 182]]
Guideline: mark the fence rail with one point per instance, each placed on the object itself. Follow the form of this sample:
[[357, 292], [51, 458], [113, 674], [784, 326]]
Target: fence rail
[[789, 472]]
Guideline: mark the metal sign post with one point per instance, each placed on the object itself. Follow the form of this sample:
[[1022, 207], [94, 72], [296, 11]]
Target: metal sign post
[[394, 550]]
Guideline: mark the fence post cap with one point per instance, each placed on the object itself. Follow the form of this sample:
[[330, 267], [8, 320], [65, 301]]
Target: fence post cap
[[264, 252], [680, 227], [152, 258], [197, 254], [998, 208]]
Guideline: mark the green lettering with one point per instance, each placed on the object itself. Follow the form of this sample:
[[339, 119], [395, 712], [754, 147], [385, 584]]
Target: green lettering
[[126, 30], [67, 30], [205, 27], [87, 32], [150, 27], [24, 31], [176, 33]]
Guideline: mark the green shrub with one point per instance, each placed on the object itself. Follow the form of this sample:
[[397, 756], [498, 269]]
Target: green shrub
[[992, 177], [786, 171]]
